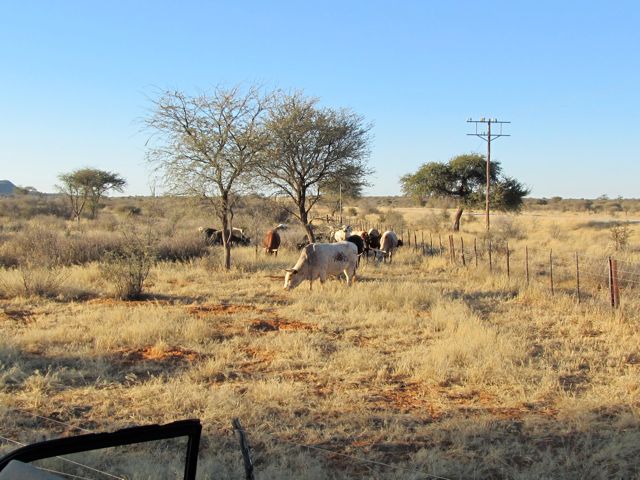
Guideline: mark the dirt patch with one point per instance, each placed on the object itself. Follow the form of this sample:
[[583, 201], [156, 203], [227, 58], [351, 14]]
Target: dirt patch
[[404, 397], [219, 309], [160, 355], [16, 315], [275, 324], [141, 301]]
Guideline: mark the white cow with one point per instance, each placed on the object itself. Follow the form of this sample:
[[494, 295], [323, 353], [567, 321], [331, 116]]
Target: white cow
[[388, 243], [342, 234], [319, 260]]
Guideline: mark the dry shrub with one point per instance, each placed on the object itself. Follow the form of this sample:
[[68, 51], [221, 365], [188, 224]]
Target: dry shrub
[[509, 229], [435, 222], [620, 234], [35, 254], [88, 247], [30, 206], [182, 247], [127, 268]]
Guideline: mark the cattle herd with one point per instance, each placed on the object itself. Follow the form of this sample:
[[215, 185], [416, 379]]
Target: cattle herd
[[319, 260]]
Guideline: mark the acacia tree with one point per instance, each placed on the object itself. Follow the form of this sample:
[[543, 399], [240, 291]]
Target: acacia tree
[[208, 146], [88, 185], [312, 150], [464, 178]]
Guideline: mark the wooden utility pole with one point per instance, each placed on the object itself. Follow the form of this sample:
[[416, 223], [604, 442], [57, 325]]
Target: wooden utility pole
[[487, 137]]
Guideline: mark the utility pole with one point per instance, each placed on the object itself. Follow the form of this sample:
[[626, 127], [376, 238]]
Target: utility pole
[[487, 137]]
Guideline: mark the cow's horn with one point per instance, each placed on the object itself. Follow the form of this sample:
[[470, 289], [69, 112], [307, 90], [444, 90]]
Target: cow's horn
[[291, 270]]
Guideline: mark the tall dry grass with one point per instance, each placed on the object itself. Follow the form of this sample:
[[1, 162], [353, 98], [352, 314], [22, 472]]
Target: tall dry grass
[[421, 365]]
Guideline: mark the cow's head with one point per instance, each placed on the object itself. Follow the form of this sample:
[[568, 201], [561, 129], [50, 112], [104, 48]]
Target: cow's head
[[292, 279]]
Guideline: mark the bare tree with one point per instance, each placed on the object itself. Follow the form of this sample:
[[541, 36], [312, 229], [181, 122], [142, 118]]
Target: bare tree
[[313, 150], [208, 146]]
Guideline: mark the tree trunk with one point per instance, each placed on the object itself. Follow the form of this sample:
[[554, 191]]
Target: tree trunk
[[304, 218], [226, 233], [456, 220]]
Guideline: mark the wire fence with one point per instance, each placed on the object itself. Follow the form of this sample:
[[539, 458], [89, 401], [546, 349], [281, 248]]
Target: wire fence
[[574, 273]]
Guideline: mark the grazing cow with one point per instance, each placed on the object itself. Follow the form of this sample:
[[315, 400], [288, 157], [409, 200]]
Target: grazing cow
[[214, 237], [365, 239], [342, 234], [388, 243], [271, 240], [319, 260], [358, 242], [208, 233], [374, 238]]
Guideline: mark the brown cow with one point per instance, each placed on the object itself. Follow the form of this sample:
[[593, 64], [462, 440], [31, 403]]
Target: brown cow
[[271, 242]]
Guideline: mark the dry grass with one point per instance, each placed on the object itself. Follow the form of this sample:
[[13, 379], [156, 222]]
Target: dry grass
[[429, 368]]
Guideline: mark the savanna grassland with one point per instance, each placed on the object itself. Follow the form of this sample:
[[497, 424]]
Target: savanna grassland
[[428, 367]]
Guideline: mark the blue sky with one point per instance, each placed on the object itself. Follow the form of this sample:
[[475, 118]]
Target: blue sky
[[77, 79]]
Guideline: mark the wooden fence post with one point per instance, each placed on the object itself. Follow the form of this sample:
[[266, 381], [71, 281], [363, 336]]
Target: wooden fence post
[[440, 240], [415, 240], [475, 250], [526, 263], [464, 263], [508, 267], [452, 249], [613, 283]]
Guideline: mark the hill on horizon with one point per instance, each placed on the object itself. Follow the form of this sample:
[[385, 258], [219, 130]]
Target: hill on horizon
[[6, 187]]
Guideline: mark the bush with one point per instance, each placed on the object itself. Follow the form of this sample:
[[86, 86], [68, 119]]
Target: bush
[[620, 234], [127, 269], [392, 219], [182, 247], [35, 253]]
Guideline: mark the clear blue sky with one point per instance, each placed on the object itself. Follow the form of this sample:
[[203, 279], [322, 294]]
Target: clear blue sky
[[77, 77]]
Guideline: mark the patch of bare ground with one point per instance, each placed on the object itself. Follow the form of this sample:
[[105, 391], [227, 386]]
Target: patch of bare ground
[[154, 354], [19, 315]]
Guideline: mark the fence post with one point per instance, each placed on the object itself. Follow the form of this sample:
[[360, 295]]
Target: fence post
[[613, 283], [452, 249], [508, 268], [245, 449], [551, 269], [577, 278], [440, 239], [464, 263], [526, 263], [475, 250], [415, 240]]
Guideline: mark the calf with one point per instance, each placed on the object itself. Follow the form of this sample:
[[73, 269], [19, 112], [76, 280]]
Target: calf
[[319, 260]]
